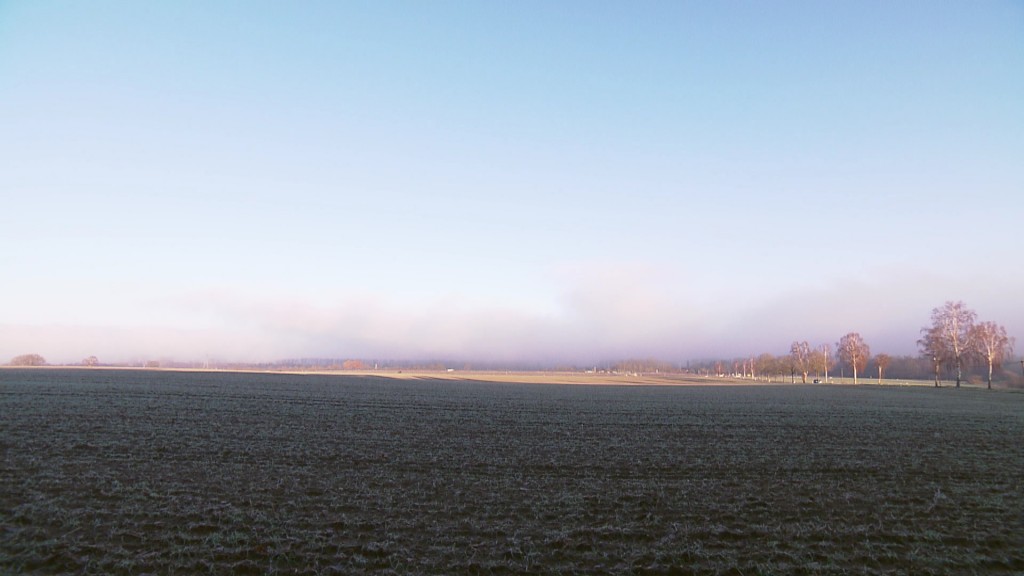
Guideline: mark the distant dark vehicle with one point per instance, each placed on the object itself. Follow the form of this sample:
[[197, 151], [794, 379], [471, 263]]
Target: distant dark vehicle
[[816, 381]]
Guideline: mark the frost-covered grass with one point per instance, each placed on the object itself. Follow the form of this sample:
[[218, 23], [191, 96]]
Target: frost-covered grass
[[120, 472]]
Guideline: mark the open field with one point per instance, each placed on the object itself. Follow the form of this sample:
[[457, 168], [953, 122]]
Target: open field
[[131, 472], [555, 377], [600, 378]]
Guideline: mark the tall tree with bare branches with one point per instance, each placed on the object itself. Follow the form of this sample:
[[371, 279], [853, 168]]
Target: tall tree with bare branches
[[821, 359], [800, 353], [882, 361], [991, 344], [951, 329], [855, 352], [934, 348]]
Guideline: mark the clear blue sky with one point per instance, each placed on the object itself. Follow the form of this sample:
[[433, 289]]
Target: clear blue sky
[[570, 181]]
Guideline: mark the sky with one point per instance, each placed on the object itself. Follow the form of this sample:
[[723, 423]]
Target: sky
[[564, 182]]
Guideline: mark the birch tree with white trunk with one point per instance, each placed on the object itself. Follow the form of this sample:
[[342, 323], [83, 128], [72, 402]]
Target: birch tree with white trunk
[[854, 351], [991, 344], [952, 329]]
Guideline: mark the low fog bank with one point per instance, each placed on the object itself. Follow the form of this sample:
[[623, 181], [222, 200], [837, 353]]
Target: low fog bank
[[593, 326]]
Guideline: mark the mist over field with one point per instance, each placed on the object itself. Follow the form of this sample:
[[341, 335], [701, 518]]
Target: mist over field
[[600, 319]]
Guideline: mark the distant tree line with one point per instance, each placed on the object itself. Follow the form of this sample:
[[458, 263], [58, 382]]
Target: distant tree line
[[955, 343], [28, 360], [646, 365], [957, 340]]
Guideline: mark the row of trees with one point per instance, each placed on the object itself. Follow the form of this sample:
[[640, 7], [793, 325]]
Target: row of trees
[[955, 340], [804, 360], [28, 360], [37, 360]]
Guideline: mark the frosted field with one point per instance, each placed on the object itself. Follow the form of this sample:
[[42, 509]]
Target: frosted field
[[124, 472]]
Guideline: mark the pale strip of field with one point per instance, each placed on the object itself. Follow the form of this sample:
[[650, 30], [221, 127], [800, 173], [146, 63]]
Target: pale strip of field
[[614, 379], [538, 377], [590, 378], [530, 377], [581, 378]]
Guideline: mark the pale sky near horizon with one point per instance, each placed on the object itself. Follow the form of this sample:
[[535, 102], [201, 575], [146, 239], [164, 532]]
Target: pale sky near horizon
[[504, 181]]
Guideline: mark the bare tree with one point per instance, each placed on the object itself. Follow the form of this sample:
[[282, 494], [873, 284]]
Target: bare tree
[[991, 344], [773, 368], [934, 348], [767, 366], [821, 360], [91, 361], [952, 324], [800, 353], [28, 360], [854, 351], [882, 361]]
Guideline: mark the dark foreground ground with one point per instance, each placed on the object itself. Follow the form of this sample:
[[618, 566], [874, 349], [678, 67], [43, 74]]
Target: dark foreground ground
[[119, 472]]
